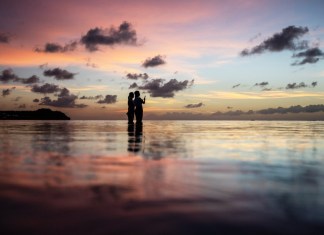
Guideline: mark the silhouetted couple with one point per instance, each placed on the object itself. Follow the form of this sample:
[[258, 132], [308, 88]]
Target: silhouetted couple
[[135, 107]]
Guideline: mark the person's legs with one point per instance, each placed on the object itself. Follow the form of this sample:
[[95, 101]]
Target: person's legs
[[130, 117], [139, 116], [136, 116]]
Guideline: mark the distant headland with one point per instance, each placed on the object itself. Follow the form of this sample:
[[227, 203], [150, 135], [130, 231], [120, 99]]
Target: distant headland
[[40, 114]]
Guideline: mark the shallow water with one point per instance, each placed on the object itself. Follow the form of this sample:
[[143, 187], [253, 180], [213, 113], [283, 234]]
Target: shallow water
[[193, 177]]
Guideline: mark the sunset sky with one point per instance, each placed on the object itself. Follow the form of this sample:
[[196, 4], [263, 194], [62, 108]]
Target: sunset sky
[[84, 57]]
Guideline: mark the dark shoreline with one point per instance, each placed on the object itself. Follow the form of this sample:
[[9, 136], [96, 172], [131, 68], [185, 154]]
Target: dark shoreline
[[40, 114]]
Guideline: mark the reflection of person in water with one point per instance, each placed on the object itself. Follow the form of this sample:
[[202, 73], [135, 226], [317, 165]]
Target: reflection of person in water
[[131, 138], [131, 106], [138, 107], [134, 139]]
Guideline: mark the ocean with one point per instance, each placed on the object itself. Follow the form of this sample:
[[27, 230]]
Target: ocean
[[165, 177]]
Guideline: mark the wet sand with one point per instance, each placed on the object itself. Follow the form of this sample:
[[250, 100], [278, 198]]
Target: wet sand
[[111, 180], [178, 203]]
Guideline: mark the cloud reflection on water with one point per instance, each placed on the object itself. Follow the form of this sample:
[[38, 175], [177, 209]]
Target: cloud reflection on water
[[260, 170]]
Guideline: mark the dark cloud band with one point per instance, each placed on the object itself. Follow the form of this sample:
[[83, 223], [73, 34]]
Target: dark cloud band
[[158, 87], [136, 76], [45, 89], [109, 99], [285, 40], [124, 34], [291, 86], [262, 84], [64, 100], [59, 74], [153, 62], [57, 48], [6, 92], [309, 56], [8, 75], [4, 38], [192, 106], [97, 97]]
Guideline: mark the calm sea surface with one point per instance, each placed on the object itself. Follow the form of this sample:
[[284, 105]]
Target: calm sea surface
[[166, 177]]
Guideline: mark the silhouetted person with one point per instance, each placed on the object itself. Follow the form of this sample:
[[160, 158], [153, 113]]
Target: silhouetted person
[[130, 112], [138, 107]]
